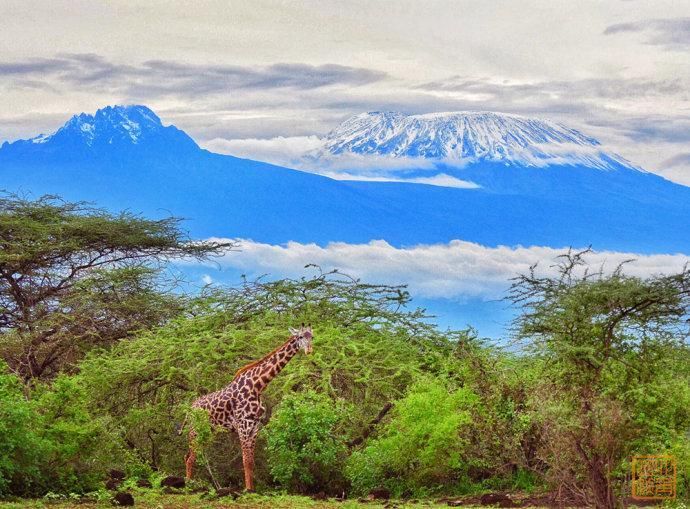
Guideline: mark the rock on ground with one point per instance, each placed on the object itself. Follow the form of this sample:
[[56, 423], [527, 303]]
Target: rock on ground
[[173, 482], [123, 498]]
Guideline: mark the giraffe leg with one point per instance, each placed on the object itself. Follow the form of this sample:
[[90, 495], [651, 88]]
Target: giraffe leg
[[190, 457], [248, 463], [247, 430]]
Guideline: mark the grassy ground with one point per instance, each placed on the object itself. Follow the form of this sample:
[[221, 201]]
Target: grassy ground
[[153, 500]]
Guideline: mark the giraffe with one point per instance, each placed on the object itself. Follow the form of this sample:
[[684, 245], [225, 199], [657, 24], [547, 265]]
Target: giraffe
[[238, 406]]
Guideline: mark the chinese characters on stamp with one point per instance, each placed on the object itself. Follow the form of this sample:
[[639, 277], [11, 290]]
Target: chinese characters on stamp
[[654, 477]]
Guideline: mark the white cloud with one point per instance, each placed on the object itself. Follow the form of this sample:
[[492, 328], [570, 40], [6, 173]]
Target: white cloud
[[440, 180], [364, 163], [281, 150], [458, 269], [291, 152], [444, 180]]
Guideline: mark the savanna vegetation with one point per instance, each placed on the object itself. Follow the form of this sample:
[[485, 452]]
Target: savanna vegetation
[[102, 353]]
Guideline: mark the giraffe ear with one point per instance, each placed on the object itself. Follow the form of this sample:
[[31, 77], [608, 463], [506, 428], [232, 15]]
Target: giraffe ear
[[293, 331]]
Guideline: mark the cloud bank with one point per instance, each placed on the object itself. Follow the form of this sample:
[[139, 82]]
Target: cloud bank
[[455, 270], [672, 33], [160, 78], [281, 150]]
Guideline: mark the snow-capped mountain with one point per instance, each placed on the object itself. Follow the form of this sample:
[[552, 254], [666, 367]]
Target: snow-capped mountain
[[111, 130], [124, 157], [459, 138]]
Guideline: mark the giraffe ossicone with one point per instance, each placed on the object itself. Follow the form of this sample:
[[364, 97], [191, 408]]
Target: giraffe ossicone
[[237, 407]]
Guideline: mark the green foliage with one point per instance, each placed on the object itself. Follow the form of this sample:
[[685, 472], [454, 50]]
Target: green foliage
[[20, 446], [76, 442], [680, 448], [616, 377], [424, 444], [305, 443], [200, 423], [367, 353], [48, 231], [49, 442], [73, 277], [146, 384]]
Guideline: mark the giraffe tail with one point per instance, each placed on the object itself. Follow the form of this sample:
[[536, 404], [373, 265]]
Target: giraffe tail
[[179, 427]]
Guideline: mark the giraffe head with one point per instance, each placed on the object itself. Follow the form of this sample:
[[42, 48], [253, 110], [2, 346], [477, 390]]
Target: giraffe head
[[304, 336]]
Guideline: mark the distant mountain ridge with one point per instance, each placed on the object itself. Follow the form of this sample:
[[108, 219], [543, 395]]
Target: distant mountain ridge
[[109, 131], [124, 157]]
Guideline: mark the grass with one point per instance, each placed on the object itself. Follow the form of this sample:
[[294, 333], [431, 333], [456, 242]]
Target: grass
[[150, 499], [154, 499]]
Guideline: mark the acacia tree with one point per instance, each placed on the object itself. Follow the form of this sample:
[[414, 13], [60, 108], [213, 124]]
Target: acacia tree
[[609, 342], [73, 276]]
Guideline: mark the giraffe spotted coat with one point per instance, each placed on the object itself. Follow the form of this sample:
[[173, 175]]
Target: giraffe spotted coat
[[237, 407]]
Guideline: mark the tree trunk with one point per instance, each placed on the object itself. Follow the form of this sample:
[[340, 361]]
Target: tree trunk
[[600, 485]]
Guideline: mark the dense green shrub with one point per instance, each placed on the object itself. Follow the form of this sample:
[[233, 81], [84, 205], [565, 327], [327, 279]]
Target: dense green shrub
[[20, 446], [306, 447], [78, 447], [423, 446], [50, 442]]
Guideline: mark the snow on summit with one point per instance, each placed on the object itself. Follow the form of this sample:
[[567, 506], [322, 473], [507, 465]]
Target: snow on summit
[[111, 121], [462, 137], [113, 130]]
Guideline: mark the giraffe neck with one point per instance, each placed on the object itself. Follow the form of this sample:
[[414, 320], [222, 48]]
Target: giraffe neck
[[275, 363]]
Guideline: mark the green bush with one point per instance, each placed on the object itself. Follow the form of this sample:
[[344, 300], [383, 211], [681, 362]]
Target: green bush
[[20, 446], [422, 448], [306, 449], [50, 442], [78, 448], [145, 385]]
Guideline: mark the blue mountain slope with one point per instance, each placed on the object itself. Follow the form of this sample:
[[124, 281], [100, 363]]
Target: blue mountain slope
[[123, 157]]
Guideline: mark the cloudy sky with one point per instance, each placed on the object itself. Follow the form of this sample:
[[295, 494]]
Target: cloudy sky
[[444, 271], [259, 78]]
